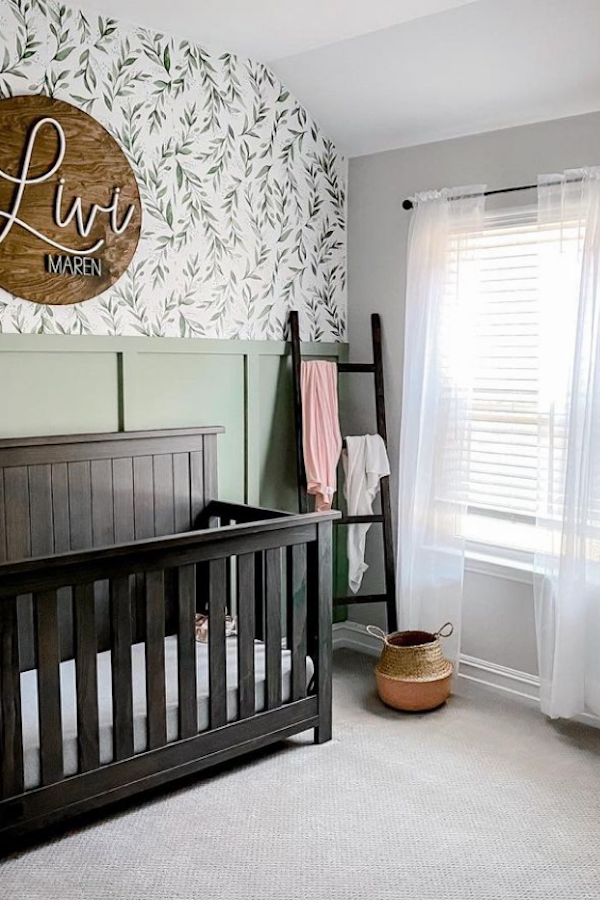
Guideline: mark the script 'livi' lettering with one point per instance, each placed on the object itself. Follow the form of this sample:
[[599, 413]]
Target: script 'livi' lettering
[[84, 225]]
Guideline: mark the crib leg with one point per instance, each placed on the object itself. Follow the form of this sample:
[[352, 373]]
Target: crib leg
[[320, 583], [323, 733]]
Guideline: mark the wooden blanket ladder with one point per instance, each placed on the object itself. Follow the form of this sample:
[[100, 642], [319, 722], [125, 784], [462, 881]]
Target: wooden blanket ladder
[[384, 518]]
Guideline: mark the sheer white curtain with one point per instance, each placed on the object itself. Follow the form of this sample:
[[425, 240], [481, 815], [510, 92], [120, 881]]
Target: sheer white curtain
[[441, 285], [567, 582]]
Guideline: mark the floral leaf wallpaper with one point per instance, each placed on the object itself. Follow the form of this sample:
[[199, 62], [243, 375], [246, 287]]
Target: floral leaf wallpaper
[[244, 199]]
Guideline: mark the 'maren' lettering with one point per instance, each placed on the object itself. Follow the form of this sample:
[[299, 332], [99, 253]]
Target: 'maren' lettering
[[90, 266]]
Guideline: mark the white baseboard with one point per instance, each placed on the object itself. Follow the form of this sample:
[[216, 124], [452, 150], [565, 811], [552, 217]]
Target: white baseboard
[[353, 636], [510, 681]]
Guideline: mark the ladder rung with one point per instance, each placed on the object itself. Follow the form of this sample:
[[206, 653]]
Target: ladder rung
[[359, 598], [357, 520], [356, 367]]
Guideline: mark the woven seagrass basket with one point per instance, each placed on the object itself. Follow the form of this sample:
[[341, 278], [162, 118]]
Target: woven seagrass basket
[[412, 673]]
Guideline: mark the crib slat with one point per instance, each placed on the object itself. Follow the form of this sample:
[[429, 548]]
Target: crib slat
[[103, 517], [164, 523], [155, 660], [60, 507], [103, 529], [246, 624], [259, 595], [122, 692], [80, 504], [211, 489], [297, 639], [42, 534], [164, 519], [40, 505], [143, 497], [143, 516], [81, 529], [122, 475], [62, 543], [196, 487], [11, 746], [123, 499], [16, 500], [181, 491], [186, 653], [217, 673], [86, 648], [48, 652], [273, 627]]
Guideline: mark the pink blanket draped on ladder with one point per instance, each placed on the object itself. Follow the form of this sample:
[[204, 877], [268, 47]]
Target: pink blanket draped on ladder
[[321, 434]]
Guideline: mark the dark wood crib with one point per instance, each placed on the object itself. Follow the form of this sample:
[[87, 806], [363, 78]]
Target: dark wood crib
[[109, 545]]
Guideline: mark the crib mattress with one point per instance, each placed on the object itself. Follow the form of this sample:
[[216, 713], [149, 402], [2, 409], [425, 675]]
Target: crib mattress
[[29, 701]]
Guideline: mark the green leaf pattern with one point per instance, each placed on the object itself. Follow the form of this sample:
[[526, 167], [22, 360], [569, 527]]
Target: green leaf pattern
[[244, 199]]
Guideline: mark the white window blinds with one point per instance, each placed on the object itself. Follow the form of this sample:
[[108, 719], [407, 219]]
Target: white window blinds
[[512, 425]]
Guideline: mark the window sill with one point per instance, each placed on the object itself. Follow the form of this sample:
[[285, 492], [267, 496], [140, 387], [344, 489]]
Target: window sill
[[497, 563]]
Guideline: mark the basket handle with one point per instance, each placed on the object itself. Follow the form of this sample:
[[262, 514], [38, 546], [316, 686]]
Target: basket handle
[[443, 633], [377, 632]]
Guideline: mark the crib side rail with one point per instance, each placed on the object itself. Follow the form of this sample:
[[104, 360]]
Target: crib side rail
[[78, 567], [237, 513], [183, 560]]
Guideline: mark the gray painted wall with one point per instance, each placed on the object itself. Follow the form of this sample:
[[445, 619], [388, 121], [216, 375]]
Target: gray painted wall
[[498, 623]]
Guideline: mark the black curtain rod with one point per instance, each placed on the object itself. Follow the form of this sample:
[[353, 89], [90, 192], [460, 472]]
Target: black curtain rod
[[408, 204]]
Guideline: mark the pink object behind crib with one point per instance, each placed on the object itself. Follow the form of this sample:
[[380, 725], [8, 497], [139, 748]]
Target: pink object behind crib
[[321, 434]]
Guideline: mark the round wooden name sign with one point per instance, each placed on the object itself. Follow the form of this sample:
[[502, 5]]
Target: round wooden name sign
[[70, 210]]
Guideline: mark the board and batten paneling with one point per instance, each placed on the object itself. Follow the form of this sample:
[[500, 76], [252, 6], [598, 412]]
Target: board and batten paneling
[[76, 384], [48, 391], [182, 385]]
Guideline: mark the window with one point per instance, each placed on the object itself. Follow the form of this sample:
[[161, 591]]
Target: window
[[515, 422]]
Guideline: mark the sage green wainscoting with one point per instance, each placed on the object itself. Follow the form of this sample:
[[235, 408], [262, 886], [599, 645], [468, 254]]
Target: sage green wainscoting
[[55, 384]]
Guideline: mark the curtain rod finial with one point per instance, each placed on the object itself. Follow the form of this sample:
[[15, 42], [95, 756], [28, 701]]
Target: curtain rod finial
[[407, 204]]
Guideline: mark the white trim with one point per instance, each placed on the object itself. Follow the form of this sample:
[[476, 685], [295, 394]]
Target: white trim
[[352, 636], [481, 564], [501, 678]]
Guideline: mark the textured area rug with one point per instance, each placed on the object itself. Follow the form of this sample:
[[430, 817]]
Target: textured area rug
[[480, 800]]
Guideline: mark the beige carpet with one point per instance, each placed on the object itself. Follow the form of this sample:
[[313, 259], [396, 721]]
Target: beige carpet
[[481, 800]]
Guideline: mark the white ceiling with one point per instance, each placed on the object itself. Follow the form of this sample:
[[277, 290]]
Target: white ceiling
[[380, 74], [269, 29], [491, 64]]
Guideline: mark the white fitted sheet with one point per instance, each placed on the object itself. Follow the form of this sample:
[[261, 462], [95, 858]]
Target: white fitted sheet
[[29, 701]]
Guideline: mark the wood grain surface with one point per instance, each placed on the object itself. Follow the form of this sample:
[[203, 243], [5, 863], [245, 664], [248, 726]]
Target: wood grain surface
[[93, 166]]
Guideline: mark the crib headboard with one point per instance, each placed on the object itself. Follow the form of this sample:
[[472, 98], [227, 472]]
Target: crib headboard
[[80, 491], [77, 492]]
